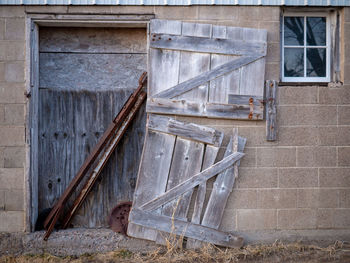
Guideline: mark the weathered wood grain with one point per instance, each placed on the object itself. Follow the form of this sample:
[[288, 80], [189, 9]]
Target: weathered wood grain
[[192, 182], [204, 77], [245, 100], [152, 177], [271, 111], [187, 229], [160, 26], [208, 45], [93, 40], [187, 130], [209, 110]]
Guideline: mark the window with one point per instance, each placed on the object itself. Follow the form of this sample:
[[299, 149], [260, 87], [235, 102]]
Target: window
[[305, 48]]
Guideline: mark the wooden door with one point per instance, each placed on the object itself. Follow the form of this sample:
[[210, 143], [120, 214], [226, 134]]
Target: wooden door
[[86, 75]]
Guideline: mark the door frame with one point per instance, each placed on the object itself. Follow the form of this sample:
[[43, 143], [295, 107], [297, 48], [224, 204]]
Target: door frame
[[33, 22]]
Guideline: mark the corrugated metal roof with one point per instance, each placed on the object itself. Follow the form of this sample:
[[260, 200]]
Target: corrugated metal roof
[[181, 2]]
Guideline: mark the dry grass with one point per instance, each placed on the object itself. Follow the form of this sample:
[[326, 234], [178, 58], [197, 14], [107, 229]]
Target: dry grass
[[277, 252]]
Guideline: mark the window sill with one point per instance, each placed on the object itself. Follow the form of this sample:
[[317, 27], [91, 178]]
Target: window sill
[[303, 83]]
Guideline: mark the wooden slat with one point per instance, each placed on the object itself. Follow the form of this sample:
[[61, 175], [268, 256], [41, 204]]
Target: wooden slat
[[192, 182], [152, 177], [222, 187], [245, 100], [159, 26], [208, 45], [187, 130], [209, 159], [209, 110], [179, 227], [271, 127], [187, 161], [204, 77]]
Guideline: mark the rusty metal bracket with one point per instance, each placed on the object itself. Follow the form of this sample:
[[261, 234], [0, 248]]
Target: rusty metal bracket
[[118, 219]]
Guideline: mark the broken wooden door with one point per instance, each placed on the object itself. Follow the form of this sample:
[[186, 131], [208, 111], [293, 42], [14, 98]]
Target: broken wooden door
[[86, 75]]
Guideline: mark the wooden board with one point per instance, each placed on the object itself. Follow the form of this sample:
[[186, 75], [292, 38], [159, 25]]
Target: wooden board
[[271, 114], [80, 94]]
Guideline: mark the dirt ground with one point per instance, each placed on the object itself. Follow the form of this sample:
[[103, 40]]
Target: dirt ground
[[277, 252]]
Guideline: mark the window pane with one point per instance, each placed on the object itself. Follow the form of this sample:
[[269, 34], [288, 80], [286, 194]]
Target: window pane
[[294, 31], [316, 31], [294, 62], [316, 62]]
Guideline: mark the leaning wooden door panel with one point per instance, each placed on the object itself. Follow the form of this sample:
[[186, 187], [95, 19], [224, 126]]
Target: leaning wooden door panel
[[86, 75], [198, 66]]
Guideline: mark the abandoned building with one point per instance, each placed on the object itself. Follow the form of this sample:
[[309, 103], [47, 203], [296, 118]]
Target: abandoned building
[[259, 87]]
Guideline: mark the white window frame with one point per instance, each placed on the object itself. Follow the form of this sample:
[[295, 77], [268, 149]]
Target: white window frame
[[328, 48]]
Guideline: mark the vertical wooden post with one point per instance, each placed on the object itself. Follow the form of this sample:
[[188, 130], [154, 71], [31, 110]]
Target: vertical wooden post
[[270, 108]]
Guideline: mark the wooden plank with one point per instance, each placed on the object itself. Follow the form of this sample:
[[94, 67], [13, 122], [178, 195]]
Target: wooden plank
[[93, 40], [208, 45], [209, 159], [197, 30], [187, 161], [245, 100], [271, 126], [152, 177], [192, 182], [204, 77], [253, 75], [222, 187], [160, 26], [186, 130], [179, 227], [103, 160], [209, 110]]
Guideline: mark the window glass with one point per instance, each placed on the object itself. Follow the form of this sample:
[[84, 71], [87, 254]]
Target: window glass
[[316, 62], [316, 31], [294, 62], [294, 31]]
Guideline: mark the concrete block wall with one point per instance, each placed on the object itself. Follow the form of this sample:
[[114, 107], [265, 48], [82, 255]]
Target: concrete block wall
[[12, 118], [299, 182]]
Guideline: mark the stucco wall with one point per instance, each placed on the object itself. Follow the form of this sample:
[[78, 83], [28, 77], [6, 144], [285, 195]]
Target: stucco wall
[[299, 182]]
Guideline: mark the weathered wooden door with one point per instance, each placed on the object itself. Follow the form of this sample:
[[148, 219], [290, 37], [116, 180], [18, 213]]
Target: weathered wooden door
[[86, 75], [197, 70]]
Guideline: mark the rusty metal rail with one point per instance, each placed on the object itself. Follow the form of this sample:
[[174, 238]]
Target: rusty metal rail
[[118, 126]]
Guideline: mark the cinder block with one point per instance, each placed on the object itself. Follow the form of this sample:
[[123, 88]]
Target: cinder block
[[254, 219], [12, 93], [11, 221], [249, 160], [15, 29], [2, 114], [47, 9], [325, 218], [334, 177], [276, 157], [89, 9], [344, 115], [176, 12], [269, 13], [228, 222], [291, 95], [14, 114], [277, 198], [347, 72], [316, 156], [14, 200], [273, 35], [273, 54], [256, 178], [318, 198], [287, 116], [297, 219], [256, 135], [272, 71], [12, 136], [12, 11], [219, 13], [14, 71], [298, 136], [247, 13], [337, 136], [11, 178], [12, 50], [2, 200], [297, 177], [347, 14], [2, 149], [2, 29], [14, 157], [344, 156], [344, 196], [341, 218], [317, 115], [338, 96], [242, 199], [2, 71]]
